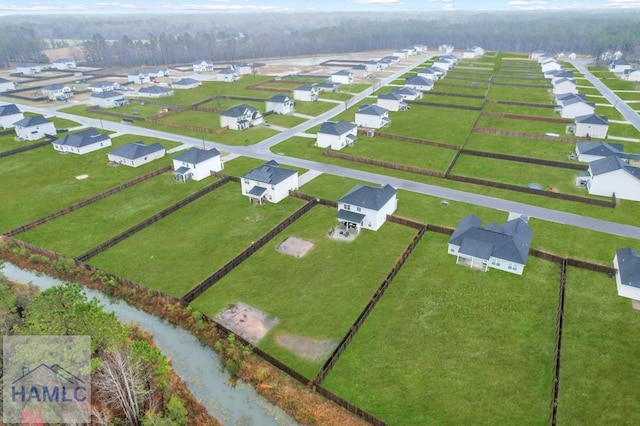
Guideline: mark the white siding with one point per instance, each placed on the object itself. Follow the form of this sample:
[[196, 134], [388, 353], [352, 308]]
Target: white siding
[[593, 130], [576, 110], [624, 185], [138, 161], [390, 104], [201, 170], [8, 120], [274, 193], [35, 132]]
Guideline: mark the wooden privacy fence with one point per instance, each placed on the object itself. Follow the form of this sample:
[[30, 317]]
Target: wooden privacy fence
[[555, 377], [560, 164], [417, 170], [350, 407], [24, 148], [149, 221], [103, 111], [526, 117], [533, 86], [436, 104], [524, 135], [454, 95], [86, 202], [518, 103], [306, 197], [408, 139]]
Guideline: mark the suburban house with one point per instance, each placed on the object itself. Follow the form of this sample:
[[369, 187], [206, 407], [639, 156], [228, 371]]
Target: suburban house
[[499, 246], [444, 63], [419, 83], [536, 54], [139, 77], [572, 105], [269, 182], [473, 52], [63, 64], [548, 65], [615, 175], [107, 99], [567, 55], [196, 164], [590, 126], [445, 48], [391, 59], [596, 150], [103, 86], [156, 73], [307, 93], [82, 142], [154, 91], [244, 68], [632, 74], [564, 85], [392, 101], [619, 66], [627, 265], [186, 83], [360, 71], [28, 68], [433, 73], [228, 74], [136, 153], [400, 53], [372, 66], [241, 117], [34, 128], [372, 116], [9, 114], [328, 86], [6, 85], [468, 54], [408, 93], [559, 74], [366, 207], [279, 104], [202, 66], [336, 135], [57, 92]]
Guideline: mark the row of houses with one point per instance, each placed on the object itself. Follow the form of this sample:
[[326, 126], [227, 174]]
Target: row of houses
[[28, 128], [30, 68]]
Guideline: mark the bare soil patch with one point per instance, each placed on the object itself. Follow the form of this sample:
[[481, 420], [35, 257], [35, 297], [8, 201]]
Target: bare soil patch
[[305, 347], [246, 321], [294, 246]]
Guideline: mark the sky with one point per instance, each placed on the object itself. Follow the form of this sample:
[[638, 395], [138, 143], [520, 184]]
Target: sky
[[158, 6]]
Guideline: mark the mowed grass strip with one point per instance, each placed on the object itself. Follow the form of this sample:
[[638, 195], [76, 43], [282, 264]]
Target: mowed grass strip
[[521, 110], [313, 108], [41, 181], [520, 93], [8, 142], [178, 252], [284, 120], [623, 130], [318, 296], [524, 147], [451, 345], [83, 229], [520, 125], [599, 382]]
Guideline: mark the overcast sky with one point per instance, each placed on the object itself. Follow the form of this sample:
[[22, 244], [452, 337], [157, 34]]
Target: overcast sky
[[68, 6]]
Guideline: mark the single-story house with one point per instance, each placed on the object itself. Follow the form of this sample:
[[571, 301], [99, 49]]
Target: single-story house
[[196, 164], [392, 101], [391, 59], [328, 86], [432, 73], [269, 182], [444, 63], [445, 48], [241, 117], [57, 91], [473, 52], [136, 153], [28, 68], [307, 93], [279, 104], [186, 83], [157, 73], [596, 150], [559, 74], [336, 135], [228, 74], [468, 54], [574, 106], [103, 86], [591, 126], [548, 65], [632, 74], [63, 64], [107, 99], [366, 207], [9, 114], [139, 77], [6, 85], [400, 53], [619, 66], [627, 265], [202, 66], [82, 142], [564, 85], [360, 71], [419, 83], [615, 175], [499, 246], [154, 91], [34, 127], [408, 93], [372, 116]]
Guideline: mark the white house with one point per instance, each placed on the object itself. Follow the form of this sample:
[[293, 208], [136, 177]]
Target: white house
[[82, 142], [615, 175], [9, 114], [366, 207], [591, 126], [564, 85], [57, 91], [327, 86], [408, 93], [596, 150], [536, 54], [196, 164], [619, 67], [244, 68], [34, 127], [498, 246], [432, 73], [550, 65], [139, 77], [336, 135], [279, 104], [306, 93], [154, 92], [103, 86], [6, 85], [400, 53], [360, 71], [202, 66], [372, 116], [560, 74], [473, 52], [468, 54], [392, 101], [154, 73], [445, 48], [269, 182], [572, 105], [186, 83], [372, 66], [390, 60], [567, 55], [444, 63], [228, 74], [241, 117], [626, 262], [136, 153], [419, 83], [63, 64], [28, 68], [632, 74], [107, 99]]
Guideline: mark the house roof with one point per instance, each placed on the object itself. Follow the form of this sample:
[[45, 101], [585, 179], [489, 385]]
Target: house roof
[[305, 88], [279, 98], [509, 241], [185, 82], [196, 155], [349, 216], [154, 90], [203, 61], [27, 65], [611, 164], [562, 80], [372, 110], [55, 86], [182, 170], [629, 266], [336, 128], [359, 67], [328, 85], [369, 197], [343, 72], [135, 150], [101, 84], [270, 173], [394, 96], [407, 91], [419, 81], [9, 109], [257, 191], [36, 120], [83, 138], [602, 149], [107, 95], [593, 119], [227, 71], [239, 111], [566, 96], [4, 80]]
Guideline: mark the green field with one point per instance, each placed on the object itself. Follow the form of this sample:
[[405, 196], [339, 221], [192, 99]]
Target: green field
[[520, 125]]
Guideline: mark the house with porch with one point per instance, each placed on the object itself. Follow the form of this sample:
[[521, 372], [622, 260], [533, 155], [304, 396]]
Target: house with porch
[[136, 154], [28, 68], [108, 99], [328, 86], [9, 114], [33, 128], [57, 92], [103, 86], [498, 246], [366, 207], [202, 66], [336, 135], [228, 74], [372, 117], [590, 126], [82, 142], [268, 183], [154, 91], [279, 104], [186, 83], [626, 262], [6, 85], [63, 64], [419, 83], [241, 117], [196, 164], [619, 175], [305, 93], [392, 101]]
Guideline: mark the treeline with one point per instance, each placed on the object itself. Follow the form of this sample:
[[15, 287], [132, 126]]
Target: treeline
[[163, 39]]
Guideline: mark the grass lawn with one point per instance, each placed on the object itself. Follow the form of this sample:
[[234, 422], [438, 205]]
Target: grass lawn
[[623, 130], [63, 123], [81, 230], [532, 148], [599, 383], [520, 109], [519, 93], [225, 104], [330, 287], [629, 96], [443, 98], [9, 142], [459, 88], [519, 125], [313, 108], [589, 90], [610, 112], [450, 345], [179, 251], [207, 120], [284, 120], [336, 96]]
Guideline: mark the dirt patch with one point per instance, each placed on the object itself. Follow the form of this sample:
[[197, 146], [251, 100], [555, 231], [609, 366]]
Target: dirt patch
[[294, 246], [305, 347], [246, 321]]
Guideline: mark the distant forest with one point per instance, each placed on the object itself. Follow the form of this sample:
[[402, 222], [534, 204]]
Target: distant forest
[[162, 39]]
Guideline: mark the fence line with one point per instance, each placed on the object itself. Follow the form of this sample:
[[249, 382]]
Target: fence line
[[417, 170], [526, 117], [409, 139], [523, 135], [560, 164], [455, 95], [534, 86], [472, 108], [553, 411], [518, 103], [25, 148]]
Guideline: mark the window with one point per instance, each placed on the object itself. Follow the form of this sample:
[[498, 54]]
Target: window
[[246, 181], [358, 209], [452, 250], [347, 207]]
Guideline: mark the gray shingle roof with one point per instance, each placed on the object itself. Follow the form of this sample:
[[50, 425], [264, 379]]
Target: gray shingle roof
[[9, 109], [611, 164], [336, 128], [270, 173], [4, 80], [196, 155], [107, 95], [419, 81], [343, 72], [394, 95], [602, 149], [629, 266], [81, 139], [407, 91], [368, 196], [36, 120], [239, 111], [101, 84], [135, 150], [279, 98], [154, 90], [593, 119], [305, 88], [349, 216], [185, 82], [372, 110]]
